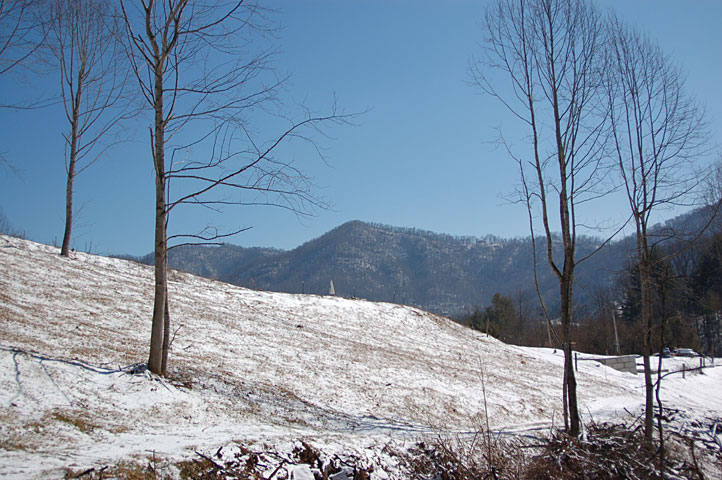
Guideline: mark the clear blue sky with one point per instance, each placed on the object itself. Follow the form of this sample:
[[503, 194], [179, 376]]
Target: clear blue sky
[[421, 157]]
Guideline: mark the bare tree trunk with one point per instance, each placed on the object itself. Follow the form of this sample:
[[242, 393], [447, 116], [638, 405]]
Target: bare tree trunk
[[569, 377], [65, 249], [663, 289], [156, 359], [166, 334], [158, 355], [565, 396], [660, 426], [648, 391], [645, 278], [646, 353], [72, 162]]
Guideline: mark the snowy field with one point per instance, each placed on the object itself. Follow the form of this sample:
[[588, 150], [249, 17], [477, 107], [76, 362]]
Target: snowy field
[[263, 368]]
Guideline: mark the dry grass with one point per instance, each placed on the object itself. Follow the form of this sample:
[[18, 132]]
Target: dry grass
[[16, 435], [124, 471], [12, 445], [148, 467], [81, 422]]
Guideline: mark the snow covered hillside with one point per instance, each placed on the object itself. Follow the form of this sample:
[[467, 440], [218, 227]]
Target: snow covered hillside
[[251, 366]]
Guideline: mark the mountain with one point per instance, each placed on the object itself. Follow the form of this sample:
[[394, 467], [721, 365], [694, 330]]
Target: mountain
[[439, 273], [218, 262]]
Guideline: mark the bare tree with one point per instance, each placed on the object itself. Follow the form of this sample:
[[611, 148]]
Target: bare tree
[[657, 133], [549, 50], [197, 77], [84, 42]]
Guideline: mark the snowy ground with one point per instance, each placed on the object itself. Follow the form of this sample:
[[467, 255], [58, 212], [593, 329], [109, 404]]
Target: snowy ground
[[261, 368]]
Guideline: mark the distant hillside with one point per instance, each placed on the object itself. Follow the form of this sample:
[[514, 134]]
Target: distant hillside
[[440, 273], [218, 263]]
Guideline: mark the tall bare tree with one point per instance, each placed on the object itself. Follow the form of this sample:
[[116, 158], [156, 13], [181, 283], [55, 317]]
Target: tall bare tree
[[192, 62], [84, 41], [657, 133], [550, 51]]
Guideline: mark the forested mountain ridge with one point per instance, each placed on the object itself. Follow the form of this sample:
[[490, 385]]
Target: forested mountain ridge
[[436, 272], [216, 262]]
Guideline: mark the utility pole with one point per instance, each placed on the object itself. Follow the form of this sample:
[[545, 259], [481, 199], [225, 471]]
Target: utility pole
[[614, 323]]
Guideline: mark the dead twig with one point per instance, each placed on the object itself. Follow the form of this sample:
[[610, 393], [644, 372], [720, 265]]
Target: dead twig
[[172, 338], [273, 474], [91, 470], [225, 469], [211, 461]]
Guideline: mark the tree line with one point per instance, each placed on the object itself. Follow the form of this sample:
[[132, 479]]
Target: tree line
[[687, 301]]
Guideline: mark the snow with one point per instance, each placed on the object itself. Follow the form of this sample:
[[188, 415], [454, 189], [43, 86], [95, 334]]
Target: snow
[[262, 368], [301, 472]]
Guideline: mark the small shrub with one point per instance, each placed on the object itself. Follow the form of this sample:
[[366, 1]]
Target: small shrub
[[480, 457], [607, 451]]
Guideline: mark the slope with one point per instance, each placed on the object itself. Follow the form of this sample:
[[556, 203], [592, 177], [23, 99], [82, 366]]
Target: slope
[[246, 366]]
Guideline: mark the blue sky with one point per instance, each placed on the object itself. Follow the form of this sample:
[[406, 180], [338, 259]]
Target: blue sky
[[422, 156]]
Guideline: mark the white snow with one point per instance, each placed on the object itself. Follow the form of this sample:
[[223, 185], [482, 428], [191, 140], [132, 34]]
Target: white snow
[[258, 367]]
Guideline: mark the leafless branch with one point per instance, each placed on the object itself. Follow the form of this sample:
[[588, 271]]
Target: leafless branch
[[208, 236], [18, 33]]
